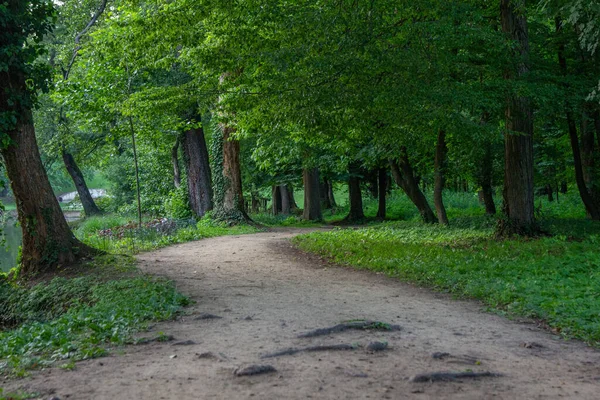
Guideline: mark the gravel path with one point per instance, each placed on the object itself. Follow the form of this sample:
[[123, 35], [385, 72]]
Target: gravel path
[[267, 294]]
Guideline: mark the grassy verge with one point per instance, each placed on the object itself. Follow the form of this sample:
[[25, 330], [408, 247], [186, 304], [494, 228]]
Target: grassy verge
[[555, 279], [116, 234], [75, 318]]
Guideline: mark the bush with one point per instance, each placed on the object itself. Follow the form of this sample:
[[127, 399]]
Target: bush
[[177, 205]]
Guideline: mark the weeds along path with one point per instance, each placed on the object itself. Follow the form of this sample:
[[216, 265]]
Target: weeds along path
[[257, 296]]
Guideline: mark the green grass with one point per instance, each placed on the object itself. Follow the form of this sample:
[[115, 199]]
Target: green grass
[[70, 319], [555, 279], [125, 238]]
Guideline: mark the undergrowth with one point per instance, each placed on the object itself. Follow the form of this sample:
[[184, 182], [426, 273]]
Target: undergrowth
[[115, 234], [70, 319]]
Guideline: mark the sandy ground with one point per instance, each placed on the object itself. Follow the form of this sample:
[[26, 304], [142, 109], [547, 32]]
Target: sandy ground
[[268, 293]]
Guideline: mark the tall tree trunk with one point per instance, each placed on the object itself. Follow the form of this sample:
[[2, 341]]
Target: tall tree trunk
[[89, 205], [404, 176], [355, 195], [47, 239], [484, 179], [175, 162], [275, 199], [312, 198], [325, 204], [137, 172], [382, 185], [197, 166], [440, 166], [293, 205], [330, 194], [255, 200], [518, 142], [285, 200], [591, 202], [228, 194]]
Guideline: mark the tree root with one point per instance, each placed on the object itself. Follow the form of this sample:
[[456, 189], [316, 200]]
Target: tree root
[[292, 351], [452, 376], [255, 370], [359, 325]]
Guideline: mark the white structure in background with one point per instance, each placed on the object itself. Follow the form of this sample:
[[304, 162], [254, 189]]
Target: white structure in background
[[68, 197]]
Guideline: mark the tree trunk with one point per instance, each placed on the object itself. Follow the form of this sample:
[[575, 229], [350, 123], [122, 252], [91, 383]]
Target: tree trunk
[[550, 193], [484, 179], [229, 197], [312, 198], [356, 213], [47, 239], [275, 199], [285, 200], [255, 203], [195, 156], [89, 205], [440, 166], [518, 142], [404, 177], [293, 205], [325, 204], [382, 185], [175, 162], [591, 202], [330, 194]]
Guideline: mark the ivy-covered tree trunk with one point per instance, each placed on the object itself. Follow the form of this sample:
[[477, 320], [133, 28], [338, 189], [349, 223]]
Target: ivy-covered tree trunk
[[312, 198], [175, 163], [87, 201], [47, 239], [195, 156], [356, 212], [227, 177], [404, 176], [440, 166], [382, 188], [518, 193]]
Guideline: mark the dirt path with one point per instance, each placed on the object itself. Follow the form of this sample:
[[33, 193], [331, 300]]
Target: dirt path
[[267, 294]]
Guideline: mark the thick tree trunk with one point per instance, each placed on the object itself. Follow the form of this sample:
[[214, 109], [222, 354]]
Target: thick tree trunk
[[89, 205], [195, 156], [312, 198], [382, 186], [47, 239], [440, 166], [285, 200], [175, 162], [275, 200], [518, 145], [591, 202], [356, 212], [404, 177], [229, 197], [550, 193]]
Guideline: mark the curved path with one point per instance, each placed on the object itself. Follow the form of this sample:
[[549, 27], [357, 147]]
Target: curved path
[[268, 293]]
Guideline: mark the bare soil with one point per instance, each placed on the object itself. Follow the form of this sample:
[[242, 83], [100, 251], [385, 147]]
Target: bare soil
[[268, 294]]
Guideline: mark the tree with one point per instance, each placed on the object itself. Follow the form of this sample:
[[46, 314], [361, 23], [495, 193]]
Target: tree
[[47, 239], [518, 159]]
